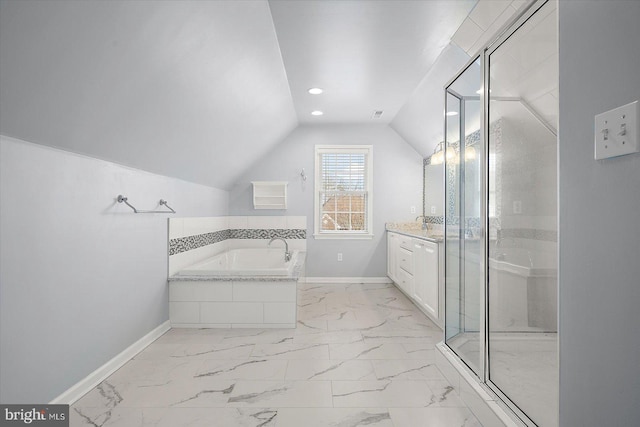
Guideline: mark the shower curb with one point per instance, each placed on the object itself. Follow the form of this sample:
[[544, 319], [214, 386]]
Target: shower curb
[[486, 408]]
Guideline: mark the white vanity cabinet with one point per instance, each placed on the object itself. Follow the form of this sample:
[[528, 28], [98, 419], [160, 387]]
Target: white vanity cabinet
[[393, 242], [426, 271], [415, 266]]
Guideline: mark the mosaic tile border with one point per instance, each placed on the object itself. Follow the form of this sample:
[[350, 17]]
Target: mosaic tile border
[[435, 219], [187, 243], [470, 222], [529, 233]]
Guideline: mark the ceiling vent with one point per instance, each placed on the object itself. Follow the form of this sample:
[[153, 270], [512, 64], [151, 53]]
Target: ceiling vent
[[377, 114]]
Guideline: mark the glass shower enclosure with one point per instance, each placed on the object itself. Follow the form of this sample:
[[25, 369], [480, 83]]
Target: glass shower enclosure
[[501, 239]]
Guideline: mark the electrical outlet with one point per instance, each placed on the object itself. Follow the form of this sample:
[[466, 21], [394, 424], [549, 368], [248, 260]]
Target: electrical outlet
[[339, 256], [433, 209], [517, 207], [413, 209]]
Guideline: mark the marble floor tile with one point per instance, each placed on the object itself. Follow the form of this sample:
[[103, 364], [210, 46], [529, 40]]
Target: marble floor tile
[[335, 417], [326, 337], [363, 325], [213, 351], [315, 370], [401, 336], [310, 326], [175, 417], [361, 355], [208, 417], [415, 369], [279, 394], [114, 417], [183, 392], [149, 372], [344, 314], [374, 394], [369, 351], [234, 337], [254, 369], [444, 394], [288, 351], [433, 417], [188, 336], [420, 350]]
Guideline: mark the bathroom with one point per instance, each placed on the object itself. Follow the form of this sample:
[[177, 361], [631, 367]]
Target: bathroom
[[190, 102]]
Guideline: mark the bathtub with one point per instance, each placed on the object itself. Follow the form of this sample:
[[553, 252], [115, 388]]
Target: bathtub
[[524, 284], [244, 262], [524, 262], [240, 288]]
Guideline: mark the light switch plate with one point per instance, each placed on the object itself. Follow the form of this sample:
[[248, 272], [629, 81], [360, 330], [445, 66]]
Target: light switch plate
[[616, 132]]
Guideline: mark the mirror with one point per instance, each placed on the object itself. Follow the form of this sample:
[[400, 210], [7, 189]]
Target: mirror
[[463, 103], [433, 190]]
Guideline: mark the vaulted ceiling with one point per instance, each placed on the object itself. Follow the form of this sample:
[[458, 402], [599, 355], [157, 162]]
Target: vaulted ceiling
[[200, 90]]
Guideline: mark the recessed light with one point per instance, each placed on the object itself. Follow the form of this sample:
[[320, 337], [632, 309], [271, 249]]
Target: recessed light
[[317, 113], [315, 91], [452, 113]]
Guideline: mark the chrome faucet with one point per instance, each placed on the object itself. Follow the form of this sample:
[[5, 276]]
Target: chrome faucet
[[424, 221], [287, 254]]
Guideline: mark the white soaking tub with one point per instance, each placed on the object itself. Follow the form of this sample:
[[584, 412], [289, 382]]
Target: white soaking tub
[[240, 288], [244, 262], [524, 283]]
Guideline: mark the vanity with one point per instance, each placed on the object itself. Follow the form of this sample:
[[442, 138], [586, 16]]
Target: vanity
[[415, 263]]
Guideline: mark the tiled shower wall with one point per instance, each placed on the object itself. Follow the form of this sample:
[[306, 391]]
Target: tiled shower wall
[[194, 239]]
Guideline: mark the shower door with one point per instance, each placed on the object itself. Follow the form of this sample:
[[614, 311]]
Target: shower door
[[501, 240], [522, 109], [463, 232]]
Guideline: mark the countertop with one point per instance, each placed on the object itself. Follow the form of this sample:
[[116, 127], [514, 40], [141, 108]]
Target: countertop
[[414, 229]]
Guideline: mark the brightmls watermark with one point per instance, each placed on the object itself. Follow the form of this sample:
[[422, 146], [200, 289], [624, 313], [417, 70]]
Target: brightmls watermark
[[34, 415]]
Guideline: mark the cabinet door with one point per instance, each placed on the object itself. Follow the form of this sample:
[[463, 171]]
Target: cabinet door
[[405, 281], [426, 275], [392, 256]]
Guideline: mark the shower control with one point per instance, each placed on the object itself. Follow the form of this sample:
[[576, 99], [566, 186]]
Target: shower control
[[616, 132]]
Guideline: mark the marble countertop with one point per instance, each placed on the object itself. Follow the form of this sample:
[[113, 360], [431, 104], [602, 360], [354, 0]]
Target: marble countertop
[[414, 229], [298, 270]]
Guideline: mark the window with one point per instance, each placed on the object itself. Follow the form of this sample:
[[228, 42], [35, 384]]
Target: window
[[343, 197]]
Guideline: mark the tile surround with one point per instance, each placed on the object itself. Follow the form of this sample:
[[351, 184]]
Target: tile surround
[[187, 243], [194, 239]]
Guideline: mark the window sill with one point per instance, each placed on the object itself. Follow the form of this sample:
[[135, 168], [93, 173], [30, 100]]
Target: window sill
[[338, 236]]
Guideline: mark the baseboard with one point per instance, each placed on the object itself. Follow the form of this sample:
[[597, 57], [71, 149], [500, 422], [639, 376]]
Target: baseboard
[[87, 384], [343, 280]]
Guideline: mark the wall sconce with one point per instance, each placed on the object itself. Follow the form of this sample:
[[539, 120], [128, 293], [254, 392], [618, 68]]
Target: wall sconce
[[438, 154], [469, 153]]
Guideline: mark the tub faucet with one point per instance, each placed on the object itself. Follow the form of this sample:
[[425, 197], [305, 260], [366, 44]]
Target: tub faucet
[[287, 254]]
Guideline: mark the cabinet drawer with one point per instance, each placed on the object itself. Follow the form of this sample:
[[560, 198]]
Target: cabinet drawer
[[405, 281], [405, 242], [405, 260]]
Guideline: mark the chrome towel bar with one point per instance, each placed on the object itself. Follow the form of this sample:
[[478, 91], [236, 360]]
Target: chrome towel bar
[[162, 202]]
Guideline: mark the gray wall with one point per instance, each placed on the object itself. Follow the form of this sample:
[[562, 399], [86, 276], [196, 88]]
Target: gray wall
[[599, 214], [81, 276], [397, 186]]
